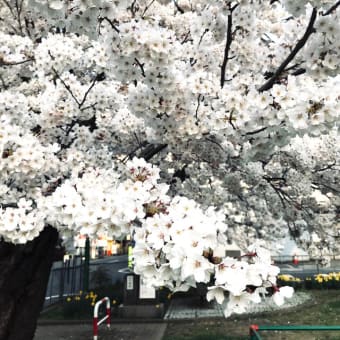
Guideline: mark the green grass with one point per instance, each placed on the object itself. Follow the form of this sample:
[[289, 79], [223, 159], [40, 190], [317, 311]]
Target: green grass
[[322, 309]]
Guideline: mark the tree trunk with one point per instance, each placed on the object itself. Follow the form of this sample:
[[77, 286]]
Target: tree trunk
[[24, 273]]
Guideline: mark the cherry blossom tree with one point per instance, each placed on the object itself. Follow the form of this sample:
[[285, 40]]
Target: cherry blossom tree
[[189, 124]]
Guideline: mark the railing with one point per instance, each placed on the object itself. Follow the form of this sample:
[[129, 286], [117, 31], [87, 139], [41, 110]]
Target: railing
[[255, 329], [96, 323]]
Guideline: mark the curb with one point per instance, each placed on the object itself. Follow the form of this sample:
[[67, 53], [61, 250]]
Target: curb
[[90, 321]]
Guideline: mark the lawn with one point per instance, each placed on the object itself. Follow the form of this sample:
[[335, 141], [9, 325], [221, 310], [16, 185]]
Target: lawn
[[322, 309]]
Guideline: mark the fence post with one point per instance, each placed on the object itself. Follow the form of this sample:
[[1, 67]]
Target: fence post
[[253, 332], [86, 274]]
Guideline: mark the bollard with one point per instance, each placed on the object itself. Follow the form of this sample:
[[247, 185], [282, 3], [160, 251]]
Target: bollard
[[96, 323]]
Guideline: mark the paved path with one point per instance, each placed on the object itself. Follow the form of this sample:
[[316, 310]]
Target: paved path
[[121, 331], [192, 308]]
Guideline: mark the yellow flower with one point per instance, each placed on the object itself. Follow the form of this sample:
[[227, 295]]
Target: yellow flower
[[92, 304], [80, 292], [114, 302], [68, 299]]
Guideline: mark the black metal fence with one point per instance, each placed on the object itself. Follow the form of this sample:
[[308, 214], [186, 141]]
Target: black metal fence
[[67, 277]]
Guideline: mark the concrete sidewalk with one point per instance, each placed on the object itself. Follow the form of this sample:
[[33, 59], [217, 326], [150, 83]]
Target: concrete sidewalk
[[118, 331]]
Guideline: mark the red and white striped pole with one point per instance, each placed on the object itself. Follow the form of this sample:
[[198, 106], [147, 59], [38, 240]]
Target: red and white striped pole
[[96, 323]]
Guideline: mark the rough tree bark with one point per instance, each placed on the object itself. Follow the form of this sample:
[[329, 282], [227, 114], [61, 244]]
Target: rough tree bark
[[24, 273]]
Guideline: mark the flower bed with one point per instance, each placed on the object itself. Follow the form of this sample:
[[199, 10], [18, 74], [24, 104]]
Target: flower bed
[[319, 281]]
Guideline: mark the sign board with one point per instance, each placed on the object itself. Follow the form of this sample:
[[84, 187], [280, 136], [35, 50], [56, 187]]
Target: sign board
[[146, 292], [129, 282]]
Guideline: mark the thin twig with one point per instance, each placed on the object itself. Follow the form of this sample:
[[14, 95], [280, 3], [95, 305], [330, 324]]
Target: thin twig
[[256, 131], [327, 167], [111, 24], [8, 63], [19, 9], [203, 34], [198, 106], [147, 7], [66, 86], [87, 92], [141, 66], [186, 38]]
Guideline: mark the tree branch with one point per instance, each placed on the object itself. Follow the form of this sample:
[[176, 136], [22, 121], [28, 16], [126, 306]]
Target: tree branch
[[331, 9], [178, 7], [141, 66], [199, 99], [8, 205], [327, 167], [293, 53], [256, 131], [87, 92], [227, 48], [151, 150], [111, 24], [146, 8], [66, 86], [9, 63]]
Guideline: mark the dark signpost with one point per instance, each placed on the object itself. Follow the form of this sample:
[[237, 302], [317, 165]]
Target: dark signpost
[[140, 300]]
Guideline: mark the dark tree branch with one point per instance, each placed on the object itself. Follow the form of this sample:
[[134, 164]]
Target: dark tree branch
[[198, 106], [231, 120], [147, 7], [331, 9], [141, 66], [134, 151], [111, 24], [213, 141], [8, 63], [133, 8], [66, 86], [18, 7], [186, 38], [152, 150], [87, 92], [8, 205], [4, 86], [202, 36], [256, 131], [227, 48], [293, 53], [82, 102], [327, 167], [178, 7], [326, 186], [299, 71]]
